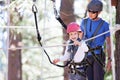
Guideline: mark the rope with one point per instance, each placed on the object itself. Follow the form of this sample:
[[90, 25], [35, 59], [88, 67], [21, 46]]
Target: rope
[[25, 47], [58, 16], [97, 36], [34, 9], [59, 45], [18, 27]]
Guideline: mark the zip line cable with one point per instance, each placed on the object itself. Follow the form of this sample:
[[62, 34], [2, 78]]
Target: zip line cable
[[59, 45]]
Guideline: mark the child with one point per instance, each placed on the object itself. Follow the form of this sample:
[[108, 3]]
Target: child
[[75, 52]]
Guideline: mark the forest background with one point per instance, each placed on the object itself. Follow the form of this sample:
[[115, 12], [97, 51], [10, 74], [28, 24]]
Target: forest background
[[17, 25]]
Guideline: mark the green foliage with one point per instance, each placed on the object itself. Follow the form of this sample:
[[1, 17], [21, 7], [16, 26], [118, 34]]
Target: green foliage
[[108, 76]]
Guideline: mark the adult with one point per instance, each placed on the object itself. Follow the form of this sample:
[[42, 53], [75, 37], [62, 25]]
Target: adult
[[92, 26]]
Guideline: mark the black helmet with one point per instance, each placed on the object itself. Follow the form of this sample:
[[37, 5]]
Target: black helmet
[[95, 5]]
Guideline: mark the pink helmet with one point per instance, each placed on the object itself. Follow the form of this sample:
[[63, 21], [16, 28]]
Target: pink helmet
[[73, 26]]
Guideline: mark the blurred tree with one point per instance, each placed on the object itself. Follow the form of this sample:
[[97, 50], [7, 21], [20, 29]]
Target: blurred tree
[[117, 44], [15, 38], [14, 55], [14, 58]]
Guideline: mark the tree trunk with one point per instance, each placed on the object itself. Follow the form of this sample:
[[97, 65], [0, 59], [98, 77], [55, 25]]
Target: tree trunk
[[67, 15], [118, 12], [14, 55], [67, 11], [117, 44], [14, 58], [114, 2], [117, 55]]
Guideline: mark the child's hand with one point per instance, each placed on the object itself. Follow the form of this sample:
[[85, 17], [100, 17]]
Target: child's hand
[[56, 61], [77, 43]]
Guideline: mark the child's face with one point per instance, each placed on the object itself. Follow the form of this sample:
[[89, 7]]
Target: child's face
[[73, 35]]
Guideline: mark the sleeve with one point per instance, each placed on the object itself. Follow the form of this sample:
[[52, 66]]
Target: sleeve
[[84, 46], [80, 54], [66, 55]]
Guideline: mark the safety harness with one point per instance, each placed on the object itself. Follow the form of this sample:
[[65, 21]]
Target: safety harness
[[90, 41], [77, 68]]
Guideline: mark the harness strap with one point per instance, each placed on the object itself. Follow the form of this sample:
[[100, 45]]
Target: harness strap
[[96, 48], [94, 34], [76, 70], [95, 56], [57, 16], [97, 29]]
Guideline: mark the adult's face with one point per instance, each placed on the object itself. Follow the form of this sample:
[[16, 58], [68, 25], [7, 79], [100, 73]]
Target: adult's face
[[93, 14]]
